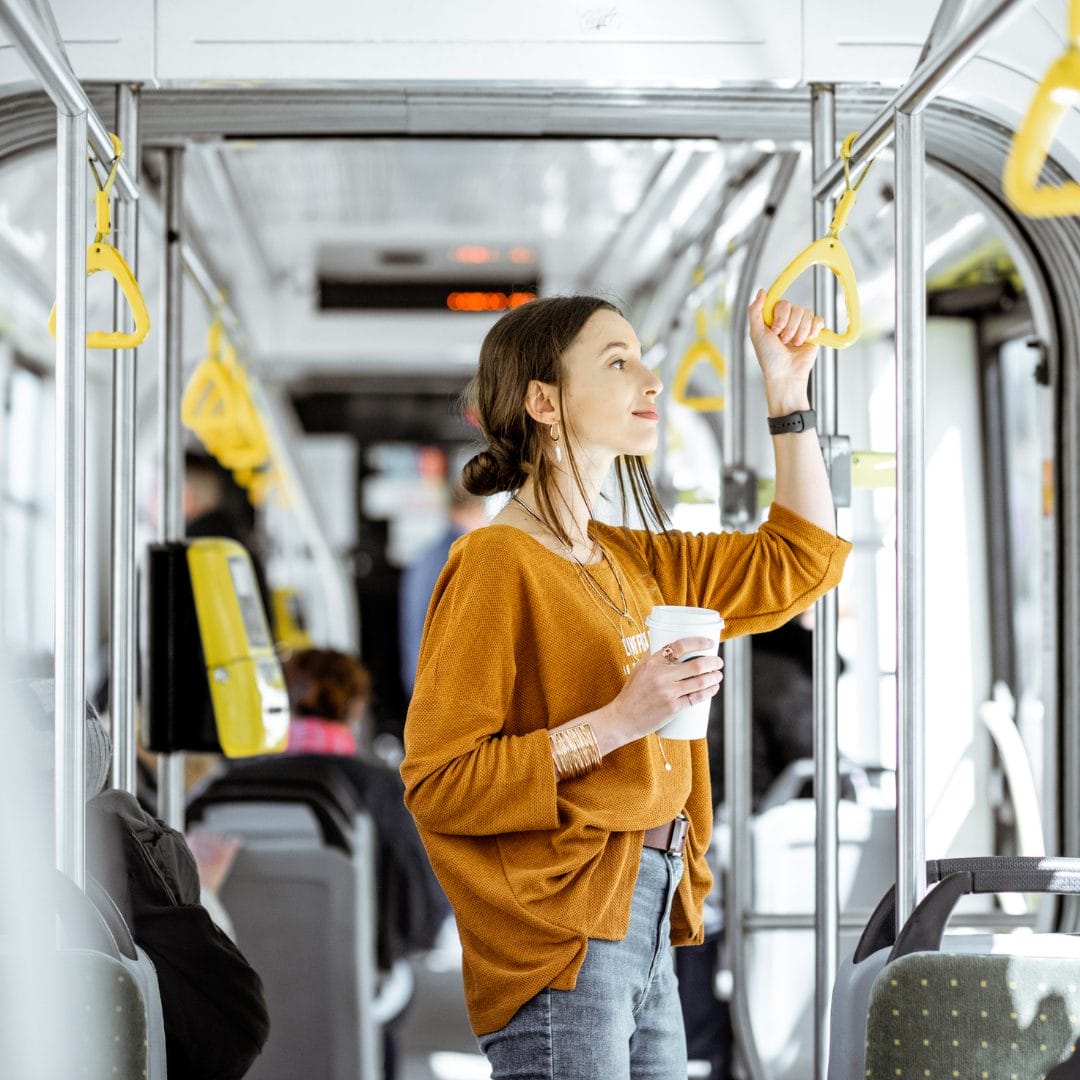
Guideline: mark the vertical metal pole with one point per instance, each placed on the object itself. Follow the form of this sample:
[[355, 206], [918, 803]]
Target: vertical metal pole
[[123, 621], [171, 510], [826, 769], [738, 723], [738, 748], [910, 186], [70, 600], [369, 1049]]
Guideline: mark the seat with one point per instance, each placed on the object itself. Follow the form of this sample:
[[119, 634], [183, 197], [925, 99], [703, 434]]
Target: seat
[[301, 897], [87, 1008]]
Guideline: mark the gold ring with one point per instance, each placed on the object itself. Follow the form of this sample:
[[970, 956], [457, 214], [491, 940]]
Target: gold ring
[[668, 653]]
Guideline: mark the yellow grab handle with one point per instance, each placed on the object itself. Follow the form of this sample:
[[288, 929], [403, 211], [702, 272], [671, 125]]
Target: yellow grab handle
[[102, 256], [1056, 94], [207, 405], [249, 446], [257, 483], [830, 253], [697, 352]]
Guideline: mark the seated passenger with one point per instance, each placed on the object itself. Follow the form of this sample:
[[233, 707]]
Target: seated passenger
[[212, 1001], [328, 695]]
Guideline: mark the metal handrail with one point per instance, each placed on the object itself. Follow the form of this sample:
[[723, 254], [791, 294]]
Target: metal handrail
[[925, 81], [910, 228], [51, 66], [764, 921], [825, 648], [737, 658], [123, 620], [170, 365]]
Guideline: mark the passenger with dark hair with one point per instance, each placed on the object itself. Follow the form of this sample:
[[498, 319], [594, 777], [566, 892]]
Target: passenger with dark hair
[[216, 505], [569, 837], [328, 695]]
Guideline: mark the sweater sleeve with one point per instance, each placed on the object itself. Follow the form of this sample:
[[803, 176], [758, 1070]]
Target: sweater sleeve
[[757, 581], [470, 767]]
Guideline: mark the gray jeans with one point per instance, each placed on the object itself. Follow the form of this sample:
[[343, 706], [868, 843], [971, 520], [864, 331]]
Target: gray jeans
[[623, 1020]]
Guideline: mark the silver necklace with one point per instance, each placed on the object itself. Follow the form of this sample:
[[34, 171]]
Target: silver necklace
[[583, 573], [624, 611]]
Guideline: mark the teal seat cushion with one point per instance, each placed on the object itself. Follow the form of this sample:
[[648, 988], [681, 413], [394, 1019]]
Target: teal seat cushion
[[949, 1016]]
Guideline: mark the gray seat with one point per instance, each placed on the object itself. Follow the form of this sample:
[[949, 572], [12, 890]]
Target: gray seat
[[303, 908], [89, 1008]]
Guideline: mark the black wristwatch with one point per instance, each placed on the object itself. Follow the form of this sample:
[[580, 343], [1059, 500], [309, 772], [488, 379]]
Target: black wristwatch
[[793, 422]]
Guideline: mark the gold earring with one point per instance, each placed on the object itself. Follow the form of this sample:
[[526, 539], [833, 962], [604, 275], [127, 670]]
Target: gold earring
[[555, 440]]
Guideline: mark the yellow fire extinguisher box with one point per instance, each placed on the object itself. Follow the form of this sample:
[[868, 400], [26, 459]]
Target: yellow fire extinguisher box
[[214, 681]]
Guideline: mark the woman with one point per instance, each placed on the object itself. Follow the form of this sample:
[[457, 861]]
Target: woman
[[550, 809]]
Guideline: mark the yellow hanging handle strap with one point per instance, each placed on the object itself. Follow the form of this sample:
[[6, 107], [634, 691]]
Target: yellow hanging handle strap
[[700, 349], [217, 406], [101, 255], [829, 252], [1055, 95]]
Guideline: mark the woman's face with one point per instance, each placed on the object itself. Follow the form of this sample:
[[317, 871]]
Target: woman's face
[[609, 395]]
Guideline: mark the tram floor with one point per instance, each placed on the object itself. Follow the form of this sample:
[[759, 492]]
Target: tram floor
[[435, 1041]]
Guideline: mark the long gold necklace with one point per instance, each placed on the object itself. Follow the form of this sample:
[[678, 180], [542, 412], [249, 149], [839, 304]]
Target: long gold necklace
[[637, 624]]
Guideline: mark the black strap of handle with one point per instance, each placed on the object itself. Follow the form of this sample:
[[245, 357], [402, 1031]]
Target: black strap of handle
[[926, 924], [984, 874], [958, 877], [880, 930], [1012, 873]]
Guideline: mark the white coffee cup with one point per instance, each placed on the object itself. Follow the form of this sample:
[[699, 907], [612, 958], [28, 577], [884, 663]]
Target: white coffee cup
[[668, 623]]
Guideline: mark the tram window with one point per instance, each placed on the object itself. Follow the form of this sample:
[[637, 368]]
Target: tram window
[[1027, 454], [26, 538]]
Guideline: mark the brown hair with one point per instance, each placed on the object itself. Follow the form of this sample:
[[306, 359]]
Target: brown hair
[[324, 683], [528, 343]]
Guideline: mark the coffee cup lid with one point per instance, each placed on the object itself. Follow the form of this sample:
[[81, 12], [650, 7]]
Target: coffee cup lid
[[674, 615]]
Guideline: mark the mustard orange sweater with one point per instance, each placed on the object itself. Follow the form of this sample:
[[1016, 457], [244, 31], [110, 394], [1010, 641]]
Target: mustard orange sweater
[[514, 644]]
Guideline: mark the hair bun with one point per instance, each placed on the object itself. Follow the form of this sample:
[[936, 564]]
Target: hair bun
[[498, 468], [481, 474]]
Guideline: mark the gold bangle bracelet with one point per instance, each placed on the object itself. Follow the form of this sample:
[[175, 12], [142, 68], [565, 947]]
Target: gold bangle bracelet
[[574, 751]]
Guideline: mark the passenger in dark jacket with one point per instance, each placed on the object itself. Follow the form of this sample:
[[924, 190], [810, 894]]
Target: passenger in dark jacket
[[328, 695], [212, 1001]]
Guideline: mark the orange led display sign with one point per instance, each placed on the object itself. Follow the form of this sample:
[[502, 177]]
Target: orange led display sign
[[487, 301]]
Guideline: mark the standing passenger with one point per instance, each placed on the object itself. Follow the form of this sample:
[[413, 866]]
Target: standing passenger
[[419, 577], [550, 809]]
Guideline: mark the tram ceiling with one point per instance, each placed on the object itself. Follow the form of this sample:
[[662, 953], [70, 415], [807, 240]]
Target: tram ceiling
[[388, 181]]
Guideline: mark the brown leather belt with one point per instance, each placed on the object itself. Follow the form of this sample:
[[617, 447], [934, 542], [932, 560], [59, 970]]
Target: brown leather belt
[[670, 837]]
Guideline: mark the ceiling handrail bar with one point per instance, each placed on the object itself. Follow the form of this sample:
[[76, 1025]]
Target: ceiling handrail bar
[[51, 67], [925, 82]]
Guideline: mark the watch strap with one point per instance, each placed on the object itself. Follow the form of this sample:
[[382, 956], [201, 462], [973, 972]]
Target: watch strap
[[793, 422]]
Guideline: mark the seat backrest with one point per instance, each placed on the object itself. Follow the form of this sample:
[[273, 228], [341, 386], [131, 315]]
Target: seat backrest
[[334, 823], [80, 1009], [142, 969], [303, 912]]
